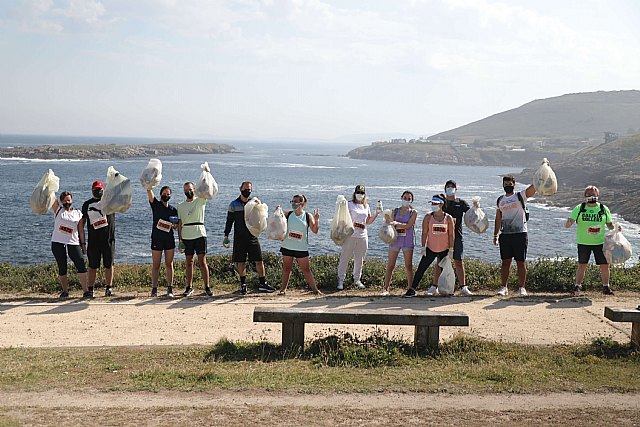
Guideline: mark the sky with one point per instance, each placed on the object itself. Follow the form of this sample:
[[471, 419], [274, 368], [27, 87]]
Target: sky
[[300, 68]]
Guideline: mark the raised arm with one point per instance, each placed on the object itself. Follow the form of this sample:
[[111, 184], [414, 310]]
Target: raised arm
[[530, 191], [315, 225], [150, 195]]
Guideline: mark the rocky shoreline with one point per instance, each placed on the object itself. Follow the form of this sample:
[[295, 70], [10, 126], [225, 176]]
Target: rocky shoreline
[[112, 151]]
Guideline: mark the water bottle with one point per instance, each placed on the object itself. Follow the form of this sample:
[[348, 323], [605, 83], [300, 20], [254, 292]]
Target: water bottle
[[226, 242], [174, 219], [379, 207]]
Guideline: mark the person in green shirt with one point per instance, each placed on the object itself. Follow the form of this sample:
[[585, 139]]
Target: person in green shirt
[[591, 218], [193, 237]]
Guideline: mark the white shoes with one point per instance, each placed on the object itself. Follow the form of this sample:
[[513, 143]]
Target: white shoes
[[432, 291], [464, 291], [359, 284], [384, 294], [523, 292], [340, 285], [504, 291]]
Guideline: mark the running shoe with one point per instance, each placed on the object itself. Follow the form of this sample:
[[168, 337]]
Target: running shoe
[[265, 287], [607, 290], [504, 291], [432, 291], [88, 294], [169, 292], [465, 292], [410, 293], [384, 294], [154, 292], [187, 292], [522, 292], [577, 289], [208, 291], [63, 294], [359, 284], [108, 292], [243, 289]]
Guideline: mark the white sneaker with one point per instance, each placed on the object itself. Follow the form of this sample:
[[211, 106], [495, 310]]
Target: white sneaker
[[384, 294], [523, 292], [340, 286], [432, 291], [464, 291], [359, 284], [504, 291]]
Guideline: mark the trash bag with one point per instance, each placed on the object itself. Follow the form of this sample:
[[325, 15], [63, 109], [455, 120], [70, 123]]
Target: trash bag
[[475, 219], [256, 214], [117, 193], [617, 248], [207, 188], [277, 225], [44, 194], [388, 233], [544, 179], [341, 224], [152, 174], [447, 279]]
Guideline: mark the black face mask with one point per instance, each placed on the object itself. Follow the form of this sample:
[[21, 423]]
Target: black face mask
[[66, 206], [165, 197], [246, 193], [189, 194], [97, 193], [508, 189]]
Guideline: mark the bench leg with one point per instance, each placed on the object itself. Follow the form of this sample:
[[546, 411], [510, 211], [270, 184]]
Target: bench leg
[[427, 337], [635, 334], [292, 334]]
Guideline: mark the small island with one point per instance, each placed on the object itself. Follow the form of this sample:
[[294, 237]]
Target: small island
[[113, 151]]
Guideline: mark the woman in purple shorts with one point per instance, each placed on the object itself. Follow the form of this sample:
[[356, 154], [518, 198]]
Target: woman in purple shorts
[[403, 219]]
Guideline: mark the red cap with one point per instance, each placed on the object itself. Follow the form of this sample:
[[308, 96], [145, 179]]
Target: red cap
[[97, 184]]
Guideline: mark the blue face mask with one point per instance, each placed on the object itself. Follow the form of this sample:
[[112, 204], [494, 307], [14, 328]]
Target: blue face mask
[[435, 208], [450, 191], [294, 205], [406, 202]]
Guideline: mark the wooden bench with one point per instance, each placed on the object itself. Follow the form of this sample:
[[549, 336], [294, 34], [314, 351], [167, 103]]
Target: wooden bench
[[427, 323], [619, 314]]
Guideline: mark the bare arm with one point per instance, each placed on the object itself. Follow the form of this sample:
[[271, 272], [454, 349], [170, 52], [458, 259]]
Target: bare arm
[[530, 191], [315, 225], [55, 207], [451, 231], [409, 224], [496, 227], [180, 231], [371, 218], [425, 230], [150, 195], [569, 223]]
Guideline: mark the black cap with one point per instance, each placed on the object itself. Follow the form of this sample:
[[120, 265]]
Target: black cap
[[449, 183], [359, 187]]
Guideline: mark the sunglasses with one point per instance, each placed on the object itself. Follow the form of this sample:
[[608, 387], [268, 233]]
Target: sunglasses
[[359, 192]]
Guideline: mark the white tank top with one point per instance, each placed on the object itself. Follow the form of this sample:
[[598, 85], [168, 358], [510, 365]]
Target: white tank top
[[65, 227]]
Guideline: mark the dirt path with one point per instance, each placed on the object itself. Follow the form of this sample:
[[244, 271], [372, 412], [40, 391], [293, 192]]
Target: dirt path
[[128, 320]]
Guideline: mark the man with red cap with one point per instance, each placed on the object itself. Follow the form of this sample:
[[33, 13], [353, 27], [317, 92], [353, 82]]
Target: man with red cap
[[101, 239]]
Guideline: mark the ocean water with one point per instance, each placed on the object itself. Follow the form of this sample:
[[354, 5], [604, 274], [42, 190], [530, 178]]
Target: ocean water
[[278, 171]]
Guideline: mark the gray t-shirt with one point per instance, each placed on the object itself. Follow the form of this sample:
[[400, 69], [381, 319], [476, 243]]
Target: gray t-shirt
[[513, 215]]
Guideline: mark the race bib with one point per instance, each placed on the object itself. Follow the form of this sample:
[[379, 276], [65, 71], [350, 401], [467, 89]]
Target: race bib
[[439, 228], [295, 235], [594, 230], [401, 232], [358, 225], [100, 223], [66, 230], [164, 225]]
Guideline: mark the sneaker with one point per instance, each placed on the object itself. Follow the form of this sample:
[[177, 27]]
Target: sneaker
[[265, 287], [340, 286], [504, 291], [359, 284], [187, 292], [410, 293], [243, 290], [208, 291], [154, 292], [465, 292], [607, 290], [432, 291], [88, 294], [108, 292], [169, 292], [522, 292], [63, 294], [577, 289], [384, 294]]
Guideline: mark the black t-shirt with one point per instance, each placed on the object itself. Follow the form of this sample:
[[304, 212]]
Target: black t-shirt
[[98, 230], [161, 212], [456, 208], [235, 219]]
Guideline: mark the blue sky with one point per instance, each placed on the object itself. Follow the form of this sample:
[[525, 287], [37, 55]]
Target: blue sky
[[300, 68]]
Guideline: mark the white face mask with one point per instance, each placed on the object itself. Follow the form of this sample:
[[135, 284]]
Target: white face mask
[[435, 208], [359, 197], [450, 191], [406, 202]]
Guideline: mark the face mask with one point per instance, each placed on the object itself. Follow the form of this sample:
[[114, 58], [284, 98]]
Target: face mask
[[97, 193], [165, 197], [246, 193], [435, 208], [359, 197], [189, 194], [406, 202], [592, 199], [295, 205], [449, 191], [66, 206], [508, 189]]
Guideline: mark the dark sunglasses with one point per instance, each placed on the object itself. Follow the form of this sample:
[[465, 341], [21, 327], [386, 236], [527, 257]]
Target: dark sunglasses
[[359, 192]]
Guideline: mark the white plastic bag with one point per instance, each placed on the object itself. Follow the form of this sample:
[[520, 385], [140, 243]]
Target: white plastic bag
[[475, 219], [44, 194], [617, 248], [341, 224], [447, 279], [207, 187], [256, 214], [277, 225], [117, 193], [544, 179], [388, 233], [152, 174]]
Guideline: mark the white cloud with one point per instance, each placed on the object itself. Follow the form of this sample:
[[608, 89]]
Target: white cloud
[[88, 11]]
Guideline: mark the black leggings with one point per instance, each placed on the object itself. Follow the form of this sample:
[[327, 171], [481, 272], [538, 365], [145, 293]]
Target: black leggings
[[60, 254], [425, 262]]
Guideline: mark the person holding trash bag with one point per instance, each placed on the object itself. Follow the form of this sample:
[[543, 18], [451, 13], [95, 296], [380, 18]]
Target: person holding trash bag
[[68, 238], [357, 244], [456, 207], [245, 244], [590, 218], [165, 220], [510, 232], [192, 236], [403, 219], [296, 242], [437, 242], [101, 242]]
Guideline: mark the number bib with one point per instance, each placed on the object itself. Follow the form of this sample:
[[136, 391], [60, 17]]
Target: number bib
[[358, 225], [594, 230], [66, 230], [401, 232], [439, 228], [100, 223], [164, 225], [295, 235]]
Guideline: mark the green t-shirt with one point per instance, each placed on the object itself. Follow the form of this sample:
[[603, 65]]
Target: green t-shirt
[[591, 225], [190, 212]]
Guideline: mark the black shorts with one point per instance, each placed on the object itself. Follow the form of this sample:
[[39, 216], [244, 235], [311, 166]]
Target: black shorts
[[246, 246], [514, 246], [198, 246], [101, 250], [163, 243], [457, 248], [584, 253], [295, 254]]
